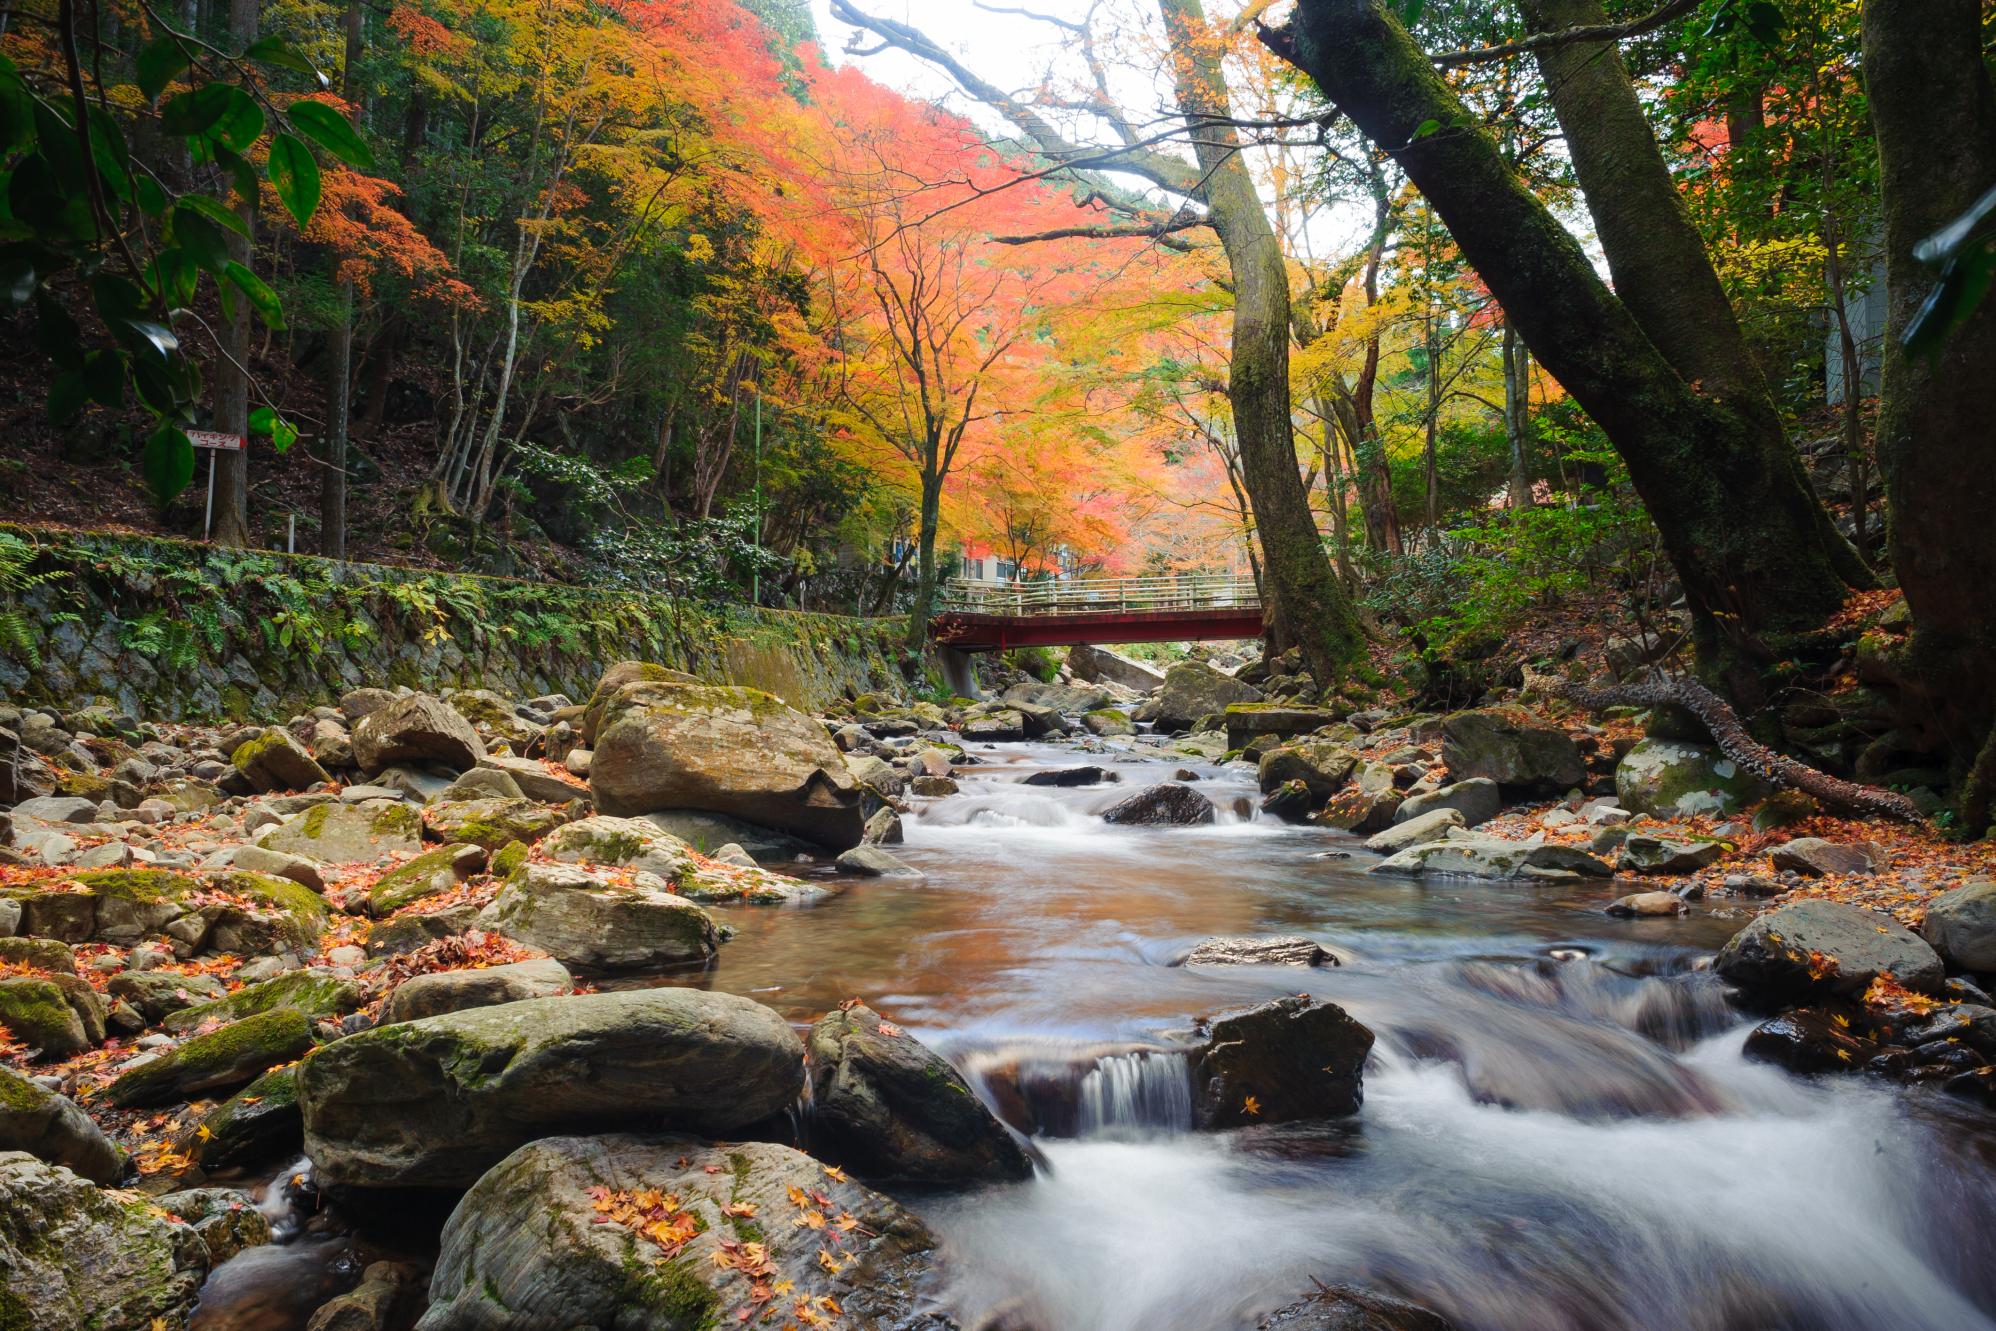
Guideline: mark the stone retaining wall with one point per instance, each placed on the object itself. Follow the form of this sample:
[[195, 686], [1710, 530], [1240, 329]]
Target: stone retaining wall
[[176, 631]]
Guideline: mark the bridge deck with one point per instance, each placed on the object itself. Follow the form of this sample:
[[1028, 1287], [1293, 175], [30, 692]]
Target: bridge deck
[[981, 617]]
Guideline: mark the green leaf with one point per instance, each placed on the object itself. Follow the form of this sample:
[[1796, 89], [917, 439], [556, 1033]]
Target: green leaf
[[241, 173], [331, 131], [261, 298], [147, 337], [1427, 127], [1963, 284], [1411, 10], [159, 62], [55, 139], [295, 176], [261, 419], [282, 54], [241, 123], [174, 275], [104, 375], [150, 196], [193, 113], [17, 111], [201, 238], [167, 463], [66, 397], [283, 435], [113, 158], [1765, 22], [215, 210]]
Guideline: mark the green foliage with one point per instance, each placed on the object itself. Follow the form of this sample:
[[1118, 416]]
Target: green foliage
[[1039, 662]]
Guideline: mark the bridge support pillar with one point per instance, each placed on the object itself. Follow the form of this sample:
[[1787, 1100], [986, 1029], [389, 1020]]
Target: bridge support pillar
[[960, 672]]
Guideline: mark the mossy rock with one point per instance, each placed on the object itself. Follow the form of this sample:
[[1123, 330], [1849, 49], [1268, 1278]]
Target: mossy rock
[[491, 823], [36, 1012], [218, 1061], [50, 1127], [76, 1257], [1666, 779], [140, 885], [258, 1124], [42, 954], [615, 678], [282, 914], [346, 833], [432, 872], [509, 859], [317, 993]]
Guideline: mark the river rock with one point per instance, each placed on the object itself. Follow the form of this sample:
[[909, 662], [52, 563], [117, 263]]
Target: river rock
[[739, 752], [1815, 857], [439, 992], [1648, 904], [1287, 950], [882, 829], [1248, 721], [157, 994], [1825, 946], [349, 833], [1366, 804], [597, 921], [996, 726], [874, 862], [1645, 853], [279, 864], [483, 783], [1417, 831], [36, 1012], [221, 1060], [430, 874], [226, 1220], [1192, 691], [319, 992], [74, 1256], [1108, 723], [1463, 854], [1293, 1060], [1071, 699], [589, 723], [1348, 1308], [274, 760], [1808, 1040], [1168, 804], [416, 729], [436, 1102], [534, 779], [1665, 779], [51, 1128], [259, 1123], [1512, 747], [1099, 665], [1478, 800], [1961, 926], [524, 1248], [634, 843], [891, 1109], [1072, 776], [1323, 766], [491, 823]]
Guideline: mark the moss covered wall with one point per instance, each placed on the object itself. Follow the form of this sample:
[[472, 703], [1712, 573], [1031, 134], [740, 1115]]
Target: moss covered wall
[[171, 630]]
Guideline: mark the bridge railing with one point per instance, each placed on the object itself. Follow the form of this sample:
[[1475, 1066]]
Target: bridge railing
[[1082, 596]]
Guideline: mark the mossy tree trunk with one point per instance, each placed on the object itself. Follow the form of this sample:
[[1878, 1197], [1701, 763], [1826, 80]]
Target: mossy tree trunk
[[1746, 535], [1934, 115]]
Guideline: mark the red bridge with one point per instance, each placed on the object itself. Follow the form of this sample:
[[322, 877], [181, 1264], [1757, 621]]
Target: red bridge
[[983, 617]]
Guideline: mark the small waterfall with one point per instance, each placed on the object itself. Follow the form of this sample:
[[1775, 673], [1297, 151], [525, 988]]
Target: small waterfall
[[1147, 1089]]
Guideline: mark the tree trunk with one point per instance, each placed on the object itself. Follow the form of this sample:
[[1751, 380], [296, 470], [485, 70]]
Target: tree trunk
[[925, 558], [1935, 118], [1517, 416], [339, 392], [232, 385], [1744, 532], [1308, 597]]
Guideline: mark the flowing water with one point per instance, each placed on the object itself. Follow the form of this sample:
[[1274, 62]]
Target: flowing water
[[1559, 1132]]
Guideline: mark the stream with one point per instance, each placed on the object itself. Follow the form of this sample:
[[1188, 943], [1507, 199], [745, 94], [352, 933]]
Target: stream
[[1559, 1131]]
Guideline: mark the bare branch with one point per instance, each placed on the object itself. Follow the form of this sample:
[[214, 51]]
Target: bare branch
[[1133, 230], [1597, 32]]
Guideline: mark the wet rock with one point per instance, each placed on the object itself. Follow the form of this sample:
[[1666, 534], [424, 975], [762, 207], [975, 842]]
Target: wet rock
[[1072, 776], [882, 829], [221, 1060], [1825, 946], [1291, 802], [1568, 859], [258, 1124], [1815, 857], [226, 1220], [1961, 926], [429, 874], [417, 729], [1648, 904], [1643, 853], [1193, 690], [491, 823], [598, 922], [1287, 950], [51, 1128], [1247, 721], [891, 1109], [1666, 779], [524, 1240], [738, 752], [1168, 804], [76, 1256], [1754, 885], [349, 833], [1348, 1308], [1367, 803], [997, 726], [437, 1102], [1478, 800], [318, 992], [873, 862], [276, 761], [1071, 699], [1108, 723], [1809, 1040], [1323, 766], [434, 994], [1513, 748], [1462, 854], [375, 1304], [1293, 1060], [932, 787]]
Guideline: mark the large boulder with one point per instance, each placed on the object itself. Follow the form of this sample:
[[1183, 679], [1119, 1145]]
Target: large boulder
[[1168, 804], [429, 874], [349, 833], [535, 780], [1478, 800], [1099, 665], [652, 1233], [437, 1102], [1666, 779], [51, 1128], [275, 760], [1961, 926], [259, 1123], [1513, 748], [35, 1012], [1815, 947], [1322, 765], [739, 752], [1070, 699], [891, 1109], [75, 1256], [1367, 803], [624, 843], [1433, 825], [416, 729], [1249, 721], [1291, 1060], [1193, 690], [1461, 854], [439, 992], [623, 673], [221, 1060], [1814, 857], [319, 992], [599, 921]]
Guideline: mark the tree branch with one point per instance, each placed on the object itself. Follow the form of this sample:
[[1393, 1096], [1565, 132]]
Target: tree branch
[[1598, 32], [1137, 230]]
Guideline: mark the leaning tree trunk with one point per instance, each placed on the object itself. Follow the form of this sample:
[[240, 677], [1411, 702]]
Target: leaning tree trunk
[[1309, 601], [1935, 118], [1741, 527]]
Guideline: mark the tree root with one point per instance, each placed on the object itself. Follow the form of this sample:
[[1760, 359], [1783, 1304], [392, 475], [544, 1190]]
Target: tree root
[[1847, 797]]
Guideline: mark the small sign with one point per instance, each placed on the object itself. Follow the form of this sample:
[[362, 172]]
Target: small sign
[[230, 443]]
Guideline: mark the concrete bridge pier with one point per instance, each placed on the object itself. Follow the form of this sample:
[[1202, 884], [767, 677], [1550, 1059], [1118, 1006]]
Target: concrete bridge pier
[[960, 671]]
